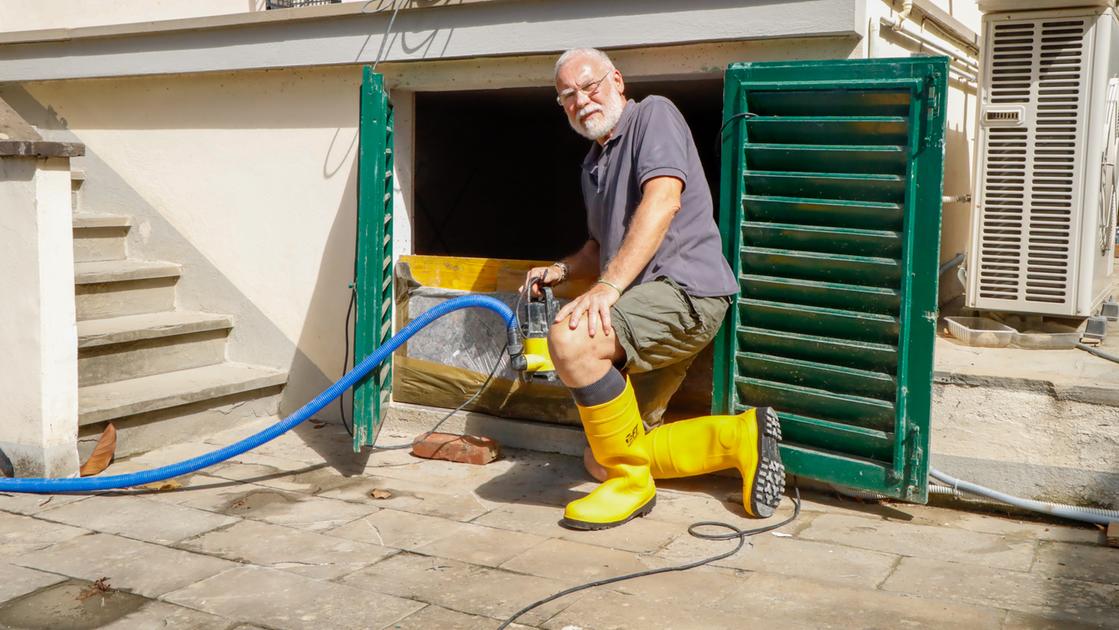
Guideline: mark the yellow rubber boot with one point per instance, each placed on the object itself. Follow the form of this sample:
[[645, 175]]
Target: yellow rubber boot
[[617, 439], [749, 442]]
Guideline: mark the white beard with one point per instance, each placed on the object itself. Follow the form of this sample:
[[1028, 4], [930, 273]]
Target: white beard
[[598, 127]]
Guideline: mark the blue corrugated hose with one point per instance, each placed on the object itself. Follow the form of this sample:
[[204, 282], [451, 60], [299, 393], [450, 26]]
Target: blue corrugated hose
[[347, 381]]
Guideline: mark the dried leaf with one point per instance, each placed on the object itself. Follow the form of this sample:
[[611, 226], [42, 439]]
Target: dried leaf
[[102, 454], [162, 486], [315, 424], [100, 586], [378, 493]]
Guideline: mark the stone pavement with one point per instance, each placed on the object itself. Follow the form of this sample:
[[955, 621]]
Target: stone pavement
[[303, 533]]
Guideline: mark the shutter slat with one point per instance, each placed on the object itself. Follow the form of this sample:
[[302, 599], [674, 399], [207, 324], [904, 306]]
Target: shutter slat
[[867, 158], [857, 186], [856, 410], [816, 375], [859, 354], [835, 129], [814, 320], [828, 294], [862, 270], [826, 212]]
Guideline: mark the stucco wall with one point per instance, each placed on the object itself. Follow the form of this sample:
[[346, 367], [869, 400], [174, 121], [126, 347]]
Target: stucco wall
[[247, 179], [29, 15], [959, 136]]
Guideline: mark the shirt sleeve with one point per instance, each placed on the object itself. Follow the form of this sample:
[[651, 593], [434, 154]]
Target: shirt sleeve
[[661, 147]]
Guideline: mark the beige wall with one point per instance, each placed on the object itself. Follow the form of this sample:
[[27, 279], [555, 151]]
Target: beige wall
[[248, 178], [31, 15], [960, 134]]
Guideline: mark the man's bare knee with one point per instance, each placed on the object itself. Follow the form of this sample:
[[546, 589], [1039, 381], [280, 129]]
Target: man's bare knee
[[579, 358]]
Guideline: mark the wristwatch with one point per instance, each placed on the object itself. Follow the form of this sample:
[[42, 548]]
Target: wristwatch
[[564, 270]]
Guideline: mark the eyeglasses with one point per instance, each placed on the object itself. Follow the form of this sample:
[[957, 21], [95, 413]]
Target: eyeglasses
[[590, 89]]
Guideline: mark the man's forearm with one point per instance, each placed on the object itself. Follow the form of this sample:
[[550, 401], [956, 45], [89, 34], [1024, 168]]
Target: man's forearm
[[583, 263], [650, 223]]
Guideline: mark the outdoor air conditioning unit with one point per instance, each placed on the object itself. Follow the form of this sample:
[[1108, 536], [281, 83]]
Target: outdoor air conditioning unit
[[1043, 230]]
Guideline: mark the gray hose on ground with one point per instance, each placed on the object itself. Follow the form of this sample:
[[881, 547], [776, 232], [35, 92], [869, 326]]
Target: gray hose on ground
[[1073, 512], [1076, 513], [1099, 353]]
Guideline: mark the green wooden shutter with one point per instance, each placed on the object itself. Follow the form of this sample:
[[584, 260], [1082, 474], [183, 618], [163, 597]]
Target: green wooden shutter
[[830, 217], [373, 265]]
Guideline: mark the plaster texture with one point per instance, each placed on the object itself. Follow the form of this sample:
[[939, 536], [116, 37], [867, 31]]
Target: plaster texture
[[38, 330], [28, 15], [440, 32]]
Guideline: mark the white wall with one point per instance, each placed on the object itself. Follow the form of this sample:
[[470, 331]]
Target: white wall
[[960, 133], [30, 15]]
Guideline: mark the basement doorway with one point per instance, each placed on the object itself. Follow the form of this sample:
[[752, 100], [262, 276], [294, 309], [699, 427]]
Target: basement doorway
[[496, 184], [497, 171]]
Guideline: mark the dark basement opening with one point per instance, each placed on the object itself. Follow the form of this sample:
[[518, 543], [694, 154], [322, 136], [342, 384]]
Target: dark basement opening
[[497, 171]]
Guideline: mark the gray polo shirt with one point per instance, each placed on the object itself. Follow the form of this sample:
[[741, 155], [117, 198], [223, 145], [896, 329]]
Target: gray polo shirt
[[652, 139]]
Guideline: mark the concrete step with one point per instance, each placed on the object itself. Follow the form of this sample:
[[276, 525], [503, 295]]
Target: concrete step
[[97, 220], [100, 237], [132, 346], [113, 330], [115, 288], [101, 272], [121, 399]]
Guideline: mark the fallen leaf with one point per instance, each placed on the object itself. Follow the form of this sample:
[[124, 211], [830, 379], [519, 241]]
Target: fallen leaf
[[102, 454], [317, 425], [378, 493], [100, 586]]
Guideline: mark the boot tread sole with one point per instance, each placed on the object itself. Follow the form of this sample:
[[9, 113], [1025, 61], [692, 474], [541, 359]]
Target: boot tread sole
[[769, 479], [571, 523]]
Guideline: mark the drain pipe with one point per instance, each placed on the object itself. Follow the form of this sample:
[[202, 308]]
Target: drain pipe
[[1071, 512], [1074, 512], [950, 263], [903, 15]]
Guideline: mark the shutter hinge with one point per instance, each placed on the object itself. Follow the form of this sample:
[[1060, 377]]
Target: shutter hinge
[[932, 105]]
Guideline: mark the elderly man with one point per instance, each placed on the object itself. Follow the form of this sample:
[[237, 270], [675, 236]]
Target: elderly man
[[661, 289]]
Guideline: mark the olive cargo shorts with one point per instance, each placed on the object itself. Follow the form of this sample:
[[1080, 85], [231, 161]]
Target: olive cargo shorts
[[662, 329]]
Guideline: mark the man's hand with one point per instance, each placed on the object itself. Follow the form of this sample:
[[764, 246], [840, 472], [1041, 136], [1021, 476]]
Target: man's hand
[[541, 276], [595, 305]]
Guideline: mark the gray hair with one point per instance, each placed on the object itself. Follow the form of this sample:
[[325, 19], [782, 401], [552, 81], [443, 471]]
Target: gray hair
[[594, 53]]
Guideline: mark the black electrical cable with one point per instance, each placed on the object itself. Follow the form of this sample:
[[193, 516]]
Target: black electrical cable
[[719, 136], [346, 361], [493, 372], [353, 288], [485, 384], [735, 533]]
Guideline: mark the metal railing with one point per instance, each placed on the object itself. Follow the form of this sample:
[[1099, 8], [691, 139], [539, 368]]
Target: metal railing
[[293, 4]]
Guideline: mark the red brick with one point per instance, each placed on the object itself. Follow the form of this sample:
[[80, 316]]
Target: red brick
[[464, 449]]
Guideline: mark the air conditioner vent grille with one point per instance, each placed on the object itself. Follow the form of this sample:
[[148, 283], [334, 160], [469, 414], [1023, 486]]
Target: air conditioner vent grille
[[1025, 239]]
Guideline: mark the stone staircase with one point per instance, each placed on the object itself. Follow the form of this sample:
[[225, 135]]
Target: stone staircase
[[159, 374]]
